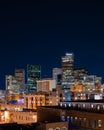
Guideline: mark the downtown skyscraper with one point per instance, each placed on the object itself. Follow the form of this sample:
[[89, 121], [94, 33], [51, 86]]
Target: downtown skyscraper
[[20, 75], [67, 71], [33, 75]]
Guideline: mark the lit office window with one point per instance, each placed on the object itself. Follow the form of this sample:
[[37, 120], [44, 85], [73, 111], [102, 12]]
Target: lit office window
[[99, 123]]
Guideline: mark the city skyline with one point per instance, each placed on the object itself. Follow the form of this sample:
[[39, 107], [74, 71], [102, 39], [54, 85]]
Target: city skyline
[[42, 32], [45, 76]]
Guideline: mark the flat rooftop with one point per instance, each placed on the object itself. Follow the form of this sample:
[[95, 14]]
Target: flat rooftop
[[93, 110], [87, 101]]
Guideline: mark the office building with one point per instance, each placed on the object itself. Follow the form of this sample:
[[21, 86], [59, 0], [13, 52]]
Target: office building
[[33, 75], [20, 76], [46, 85], [80, 74], [57, 75], [12, 86], [67, 73], [67, 70], [8, 81]]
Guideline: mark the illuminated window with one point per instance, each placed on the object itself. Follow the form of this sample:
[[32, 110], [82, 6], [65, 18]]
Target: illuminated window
[[76, 118], [63, 118], [57, 128], [99, 123], [92, 106], [69, 105], [98, 107], [68, 119], [84, 105], [50, 129], [64, 128], [65, 105]]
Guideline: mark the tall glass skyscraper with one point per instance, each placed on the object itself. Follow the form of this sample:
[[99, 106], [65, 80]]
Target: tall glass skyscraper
[[33, 75], [67, 70]]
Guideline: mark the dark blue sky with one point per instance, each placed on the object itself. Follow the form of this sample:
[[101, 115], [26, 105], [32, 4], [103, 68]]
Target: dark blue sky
[[41, 32]]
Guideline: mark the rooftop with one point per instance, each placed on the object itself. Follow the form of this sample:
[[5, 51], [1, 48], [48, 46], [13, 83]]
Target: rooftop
[[90, 110]]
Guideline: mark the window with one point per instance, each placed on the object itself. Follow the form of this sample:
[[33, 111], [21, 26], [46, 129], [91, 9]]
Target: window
[[57, 128], [89, 123], [68, 119], [99, 123], [84, 122], [94, 123], [63, 118], [64, 128], [71, 118], [50, 129]]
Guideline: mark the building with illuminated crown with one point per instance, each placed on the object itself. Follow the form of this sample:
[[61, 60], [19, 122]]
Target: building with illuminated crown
[[67, 70], [67, 73]]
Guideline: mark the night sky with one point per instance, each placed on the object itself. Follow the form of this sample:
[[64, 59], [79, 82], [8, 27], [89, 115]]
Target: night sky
[[42, 32]]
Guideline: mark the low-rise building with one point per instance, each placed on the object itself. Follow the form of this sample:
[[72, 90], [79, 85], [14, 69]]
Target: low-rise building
[[32, 101], [11, 107], [23, 117], [91, 118]]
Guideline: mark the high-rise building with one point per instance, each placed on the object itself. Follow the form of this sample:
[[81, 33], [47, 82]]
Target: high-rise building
[[57, 75], [92, 82], [33, 75], [80, 74], [67, 74], [20, 76], [12, 85], [16, 84], [8, 80], [67, 70]]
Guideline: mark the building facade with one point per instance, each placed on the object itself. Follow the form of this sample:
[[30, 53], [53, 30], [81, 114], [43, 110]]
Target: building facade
[[33, 75], [46, 85], [32, 101], [82, 119], [24, 117], [57, 75], [80, 75], [53, 126], [8, 81], [20, 76], [67, 70], [12, 86]]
